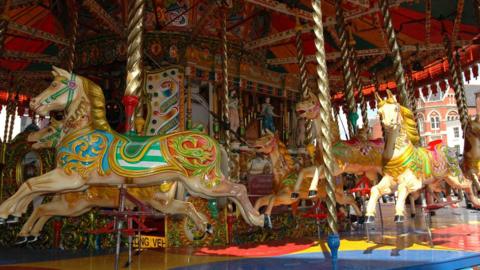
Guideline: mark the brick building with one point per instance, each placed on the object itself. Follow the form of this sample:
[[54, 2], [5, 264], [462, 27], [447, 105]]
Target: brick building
[[438, 117]]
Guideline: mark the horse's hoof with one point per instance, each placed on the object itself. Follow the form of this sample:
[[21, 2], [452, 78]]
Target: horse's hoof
[[294, 195], [312, 193], [32, 239], [361, 219], [209, 229], [2, 221], [399, 219], [12, 220], [369, 219], [196, 238], [412, 215], [268, 222], [21, 241]]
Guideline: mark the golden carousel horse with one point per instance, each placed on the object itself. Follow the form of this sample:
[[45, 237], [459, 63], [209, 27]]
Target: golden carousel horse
[[71, 204], [285, 178], [407, 166], [358, 156], [471, 152], [90, 153]]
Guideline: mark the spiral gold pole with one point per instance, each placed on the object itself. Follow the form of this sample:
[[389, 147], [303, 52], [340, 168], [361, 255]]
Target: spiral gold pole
[[456, 83], [188, 89], [358, 82], [346, 65], [458, 68], [309, 132], [73, 38], [397, 57], [13, 111], [226, 97], [134, 58], [240, 95], [324, 135]]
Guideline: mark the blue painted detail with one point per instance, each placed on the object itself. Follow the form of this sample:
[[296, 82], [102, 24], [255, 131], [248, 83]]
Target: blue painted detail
[[333, 242], [358, 260]]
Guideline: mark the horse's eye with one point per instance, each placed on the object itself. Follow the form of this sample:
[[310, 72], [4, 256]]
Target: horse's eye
[[54, 84]]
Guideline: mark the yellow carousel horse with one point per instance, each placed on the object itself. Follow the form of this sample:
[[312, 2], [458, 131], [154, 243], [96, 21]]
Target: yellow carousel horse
[[89, 153], [407, 166], [471, 152], [70, 204], [285, 177]]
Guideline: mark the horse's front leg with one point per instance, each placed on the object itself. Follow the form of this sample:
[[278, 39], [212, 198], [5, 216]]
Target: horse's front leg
[[51, 182], [305, 172], [382, 188]]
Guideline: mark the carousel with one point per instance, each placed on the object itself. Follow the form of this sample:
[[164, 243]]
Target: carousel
[[246, 134]]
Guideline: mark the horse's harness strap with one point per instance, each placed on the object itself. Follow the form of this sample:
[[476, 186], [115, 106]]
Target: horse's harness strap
[[70, 86]]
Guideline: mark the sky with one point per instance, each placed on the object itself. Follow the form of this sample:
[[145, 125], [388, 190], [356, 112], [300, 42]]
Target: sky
[[342, 119]]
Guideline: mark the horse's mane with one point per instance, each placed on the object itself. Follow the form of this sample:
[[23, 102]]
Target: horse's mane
[[97, 103], [409, 123], [282, 148]]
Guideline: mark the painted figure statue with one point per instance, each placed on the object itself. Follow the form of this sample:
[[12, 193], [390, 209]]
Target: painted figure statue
[[358, 156], [70, 204], [407, 166], [233, 107], [267, 116], [89, 153], [285, 178]]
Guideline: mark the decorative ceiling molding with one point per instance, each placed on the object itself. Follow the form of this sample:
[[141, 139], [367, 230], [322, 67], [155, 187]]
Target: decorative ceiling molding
[[13, 26], [366, 53]]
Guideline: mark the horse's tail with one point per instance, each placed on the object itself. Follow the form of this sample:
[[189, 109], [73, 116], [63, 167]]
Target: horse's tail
[[224, 161]]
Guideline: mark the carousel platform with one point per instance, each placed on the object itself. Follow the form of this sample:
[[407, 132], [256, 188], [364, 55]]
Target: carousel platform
[[456, 238]]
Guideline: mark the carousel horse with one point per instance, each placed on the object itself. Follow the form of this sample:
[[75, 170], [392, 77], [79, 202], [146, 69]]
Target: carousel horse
[[358, 156], [471, 153], [90, 153], [407, 166], [70, 204], [285, 177]]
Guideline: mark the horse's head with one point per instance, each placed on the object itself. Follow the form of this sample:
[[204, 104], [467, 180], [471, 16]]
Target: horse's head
[[309, 107], [59, 95], [47, 137], [474, 127], [265, 144], [389, 111]]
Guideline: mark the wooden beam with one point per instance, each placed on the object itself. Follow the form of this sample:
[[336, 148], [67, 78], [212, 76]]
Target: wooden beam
[[30, 57], [13, 26], [100, 13]]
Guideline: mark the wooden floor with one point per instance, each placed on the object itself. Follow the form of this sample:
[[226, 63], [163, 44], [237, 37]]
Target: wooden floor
[[456, 234]]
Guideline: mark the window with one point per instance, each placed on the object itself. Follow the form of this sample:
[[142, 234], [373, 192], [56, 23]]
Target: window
[[421, 124], [456, 132], [452, 116], [435, 121], [457, 149]]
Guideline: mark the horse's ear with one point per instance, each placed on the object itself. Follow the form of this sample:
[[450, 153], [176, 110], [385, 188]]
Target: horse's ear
[[380, 101], [389, 94], [60, 72]]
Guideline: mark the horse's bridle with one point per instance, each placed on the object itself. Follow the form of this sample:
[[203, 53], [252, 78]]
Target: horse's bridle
[[70, 86], [52, 137]]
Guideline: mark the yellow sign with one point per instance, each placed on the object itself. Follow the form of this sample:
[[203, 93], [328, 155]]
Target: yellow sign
[[150, 241]]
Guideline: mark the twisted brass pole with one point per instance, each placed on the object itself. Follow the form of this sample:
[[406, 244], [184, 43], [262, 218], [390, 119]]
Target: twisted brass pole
[[324, 135], [73, 38], [358, 83], [304, 82], [13, 110], [240, 95], [411, 96], [346, 66], [134, 60], [458, 68], [226, 97], [456, 83], [397, 57], [135, 47]]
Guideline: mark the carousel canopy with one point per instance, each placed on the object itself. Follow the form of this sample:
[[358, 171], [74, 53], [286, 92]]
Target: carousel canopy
[[38, 35]]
